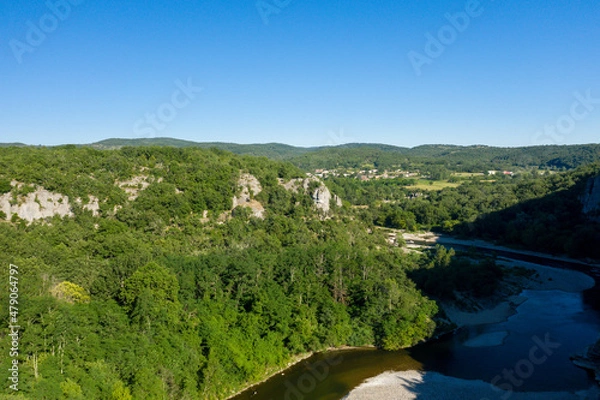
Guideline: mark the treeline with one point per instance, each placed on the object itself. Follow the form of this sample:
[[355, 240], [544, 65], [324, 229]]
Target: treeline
[[450, 158], [427, 157], [445, 275], [150, 300]]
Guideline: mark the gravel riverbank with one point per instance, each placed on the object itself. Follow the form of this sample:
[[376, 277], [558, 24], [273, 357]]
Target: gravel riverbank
[[409, 385], [432, 385]]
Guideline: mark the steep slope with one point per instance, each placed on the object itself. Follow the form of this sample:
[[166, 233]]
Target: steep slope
[[142, 291], [591, 198]]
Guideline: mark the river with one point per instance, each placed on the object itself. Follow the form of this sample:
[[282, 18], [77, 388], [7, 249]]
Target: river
[[556, 323]]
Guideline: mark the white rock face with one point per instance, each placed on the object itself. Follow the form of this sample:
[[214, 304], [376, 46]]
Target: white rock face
[[93, 204], [321, 195], [134, 185], [36, 205], [249, 184]]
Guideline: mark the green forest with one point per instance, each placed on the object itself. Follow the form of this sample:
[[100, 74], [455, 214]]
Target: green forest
[[474, 158], [172, 294], [148, 300]]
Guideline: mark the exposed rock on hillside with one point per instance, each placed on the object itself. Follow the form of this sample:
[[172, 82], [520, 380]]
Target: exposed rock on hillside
[[36, 205], [136, 184], [591, 198], [250, 188], [322, 198], [93, 205], [321, 195]]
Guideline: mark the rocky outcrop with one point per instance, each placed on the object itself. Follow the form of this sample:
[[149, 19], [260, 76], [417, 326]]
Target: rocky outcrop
[[93, 205], [136, 184], [250, 188], [321, 196], [40, 203], [36, 205], [591, 198]]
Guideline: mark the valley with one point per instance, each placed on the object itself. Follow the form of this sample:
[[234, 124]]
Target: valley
[[191, 272]]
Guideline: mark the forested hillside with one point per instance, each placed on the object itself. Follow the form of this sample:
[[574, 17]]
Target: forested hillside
[[187, 273], [450, 157], [148, 285]]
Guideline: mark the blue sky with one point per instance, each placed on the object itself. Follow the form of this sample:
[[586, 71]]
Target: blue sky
[[301, 72]]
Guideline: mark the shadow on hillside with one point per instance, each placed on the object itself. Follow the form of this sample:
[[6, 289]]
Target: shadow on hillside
[[552, 224]]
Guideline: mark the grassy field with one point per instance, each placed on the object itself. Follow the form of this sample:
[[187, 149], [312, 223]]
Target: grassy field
[[424, 184], [467, 174]]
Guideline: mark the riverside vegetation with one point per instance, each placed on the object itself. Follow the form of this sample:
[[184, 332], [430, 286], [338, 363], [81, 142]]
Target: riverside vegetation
[[161, 290]]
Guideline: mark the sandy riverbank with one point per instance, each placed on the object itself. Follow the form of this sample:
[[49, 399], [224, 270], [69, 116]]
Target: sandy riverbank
[[548, 278], [432, 385], [502, 307], [408, 385]]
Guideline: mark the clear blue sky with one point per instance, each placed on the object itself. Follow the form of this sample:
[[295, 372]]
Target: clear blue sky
[[302, 72]]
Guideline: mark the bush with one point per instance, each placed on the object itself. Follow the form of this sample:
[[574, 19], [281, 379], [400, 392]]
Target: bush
[[5, 186]]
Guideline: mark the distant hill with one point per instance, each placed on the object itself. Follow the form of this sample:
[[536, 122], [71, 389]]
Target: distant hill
[[456, 158], [269, 150], [118, 143], [474, 158], [16, 144]]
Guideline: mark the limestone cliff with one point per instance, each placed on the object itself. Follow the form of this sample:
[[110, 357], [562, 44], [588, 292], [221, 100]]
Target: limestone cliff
[[321, 195], [250, 188], [35, 205]]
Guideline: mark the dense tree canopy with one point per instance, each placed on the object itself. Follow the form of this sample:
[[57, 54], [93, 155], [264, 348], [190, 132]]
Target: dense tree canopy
[[161, 295], [164, 292]]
